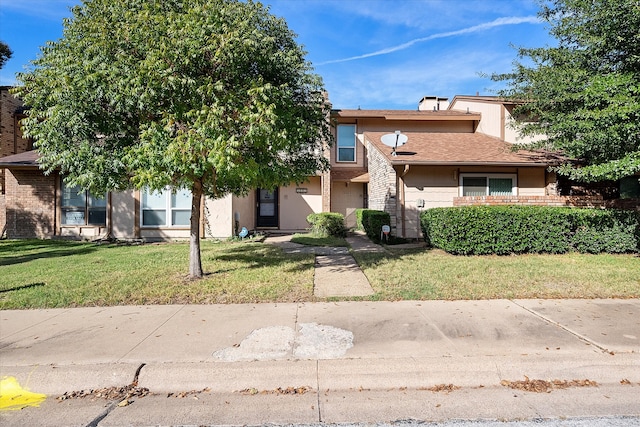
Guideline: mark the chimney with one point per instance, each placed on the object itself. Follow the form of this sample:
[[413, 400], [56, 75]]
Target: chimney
[[433, 103]]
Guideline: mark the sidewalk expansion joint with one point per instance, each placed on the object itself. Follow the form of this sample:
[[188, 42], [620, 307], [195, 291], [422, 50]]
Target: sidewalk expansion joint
[[318, 389], [566, 329]]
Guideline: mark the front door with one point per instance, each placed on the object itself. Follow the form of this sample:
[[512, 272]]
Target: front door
[[267, 208]]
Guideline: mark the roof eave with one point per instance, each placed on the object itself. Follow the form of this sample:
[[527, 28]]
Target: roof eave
[[468, 163]]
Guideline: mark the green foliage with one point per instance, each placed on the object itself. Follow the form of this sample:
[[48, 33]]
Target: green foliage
[[359, 224], [147, 93], [214, 96], [372, 222], [503, 230], [596, 231], [327, 224], [5, 53], [584, 93]]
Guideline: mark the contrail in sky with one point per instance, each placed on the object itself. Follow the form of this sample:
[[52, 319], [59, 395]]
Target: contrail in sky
[[480, 27]]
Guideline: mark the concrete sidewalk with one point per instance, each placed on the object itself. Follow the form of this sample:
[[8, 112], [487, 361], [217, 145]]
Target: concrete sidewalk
[[348, 361]]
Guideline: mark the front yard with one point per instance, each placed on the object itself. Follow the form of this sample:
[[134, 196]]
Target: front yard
[[43, 274]]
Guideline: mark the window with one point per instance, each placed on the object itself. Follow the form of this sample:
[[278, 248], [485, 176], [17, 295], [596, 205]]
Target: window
[[487, 185], [346, 143], [166, 208], [79, 207]]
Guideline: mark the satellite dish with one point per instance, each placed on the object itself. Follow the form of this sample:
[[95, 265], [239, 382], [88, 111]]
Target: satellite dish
[[394, 140]]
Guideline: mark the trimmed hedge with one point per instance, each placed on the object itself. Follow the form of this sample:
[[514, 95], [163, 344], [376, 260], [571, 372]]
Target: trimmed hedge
[[327, 224], [372, 222], [503, 230]]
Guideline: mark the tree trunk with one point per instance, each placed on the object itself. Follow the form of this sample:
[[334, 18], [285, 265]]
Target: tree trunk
[[195, 262]]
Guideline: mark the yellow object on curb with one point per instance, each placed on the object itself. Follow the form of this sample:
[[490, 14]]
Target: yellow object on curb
[[14, 397]]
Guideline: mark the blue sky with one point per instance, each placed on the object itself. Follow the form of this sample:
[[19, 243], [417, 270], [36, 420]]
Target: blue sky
[[371, 53]]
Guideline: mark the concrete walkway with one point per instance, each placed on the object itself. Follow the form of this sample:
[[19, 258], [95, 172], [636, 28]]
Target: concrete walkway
[[337, 273]]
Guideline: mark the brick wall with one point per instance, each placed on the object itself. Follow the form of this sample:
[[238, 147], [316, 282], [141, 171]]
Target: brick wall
[[30, 204], [382, 185], [573, 201], [11, 141]]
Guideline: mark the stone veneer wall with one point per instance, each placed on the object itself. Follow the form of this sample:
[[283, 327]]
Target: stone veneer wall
[[30, 204], [382, 185]]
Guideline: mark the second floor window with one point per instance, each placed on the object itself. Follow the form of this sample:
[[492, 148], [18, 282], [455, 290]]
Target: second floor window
[[346, 145]]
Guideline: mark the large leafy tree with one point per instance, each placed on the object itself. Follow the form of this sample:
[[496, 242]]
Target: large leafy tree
[[210, 95], [5, 53], [584, 93]]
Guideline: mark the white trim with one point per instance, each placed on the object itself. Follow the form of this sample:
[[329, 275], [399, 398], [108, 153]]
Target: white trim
[[513, 176]]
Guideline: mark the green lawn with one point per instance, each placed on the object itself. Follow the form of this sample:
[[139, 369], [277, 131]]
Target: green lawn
[[39, 273], [42, 273], [434, 274]]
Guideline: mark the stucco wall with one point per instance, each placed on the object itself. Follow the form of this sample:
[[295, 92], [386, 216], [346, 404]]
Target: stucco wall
[[123, 215], [219, 216], [346, 197], [295, 207], [531, 182]]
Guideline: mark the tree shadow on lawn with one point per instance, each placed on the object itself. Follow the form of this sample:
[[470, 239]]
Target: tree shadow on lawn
[[255, 256], [20, 287], [21, 251]]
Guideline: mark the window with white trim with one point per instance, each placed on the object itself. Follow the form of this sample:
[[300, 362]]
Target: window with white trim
[[346, 144], [165, 208], [79, 207], [472, 184]]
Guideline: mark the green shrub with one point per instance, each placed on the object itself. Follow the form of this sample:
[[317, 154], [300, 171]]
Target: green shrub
[[612, 231], [359, 224], [372, 222], [327, 224], [506, 230]]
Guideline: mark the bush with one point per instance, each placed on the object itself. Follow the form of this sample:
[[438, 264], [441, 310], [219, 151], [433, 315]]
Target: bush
[[505, 230], [327, 224], [359, 224], [372, 222], [611, 231]]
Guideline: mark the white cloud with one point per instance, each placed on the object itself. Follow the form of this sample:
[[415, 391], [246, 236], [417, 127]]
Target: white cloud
[[473, 29]]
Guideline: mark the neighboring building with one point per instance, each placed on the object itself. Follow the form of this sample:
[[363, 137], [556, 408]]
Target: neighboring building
[[455, 154], [11, 140], [497, 114]]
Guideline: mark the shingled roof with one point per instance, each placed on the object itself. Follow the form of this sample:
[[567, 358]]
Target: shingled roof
[[432, 148], [26, 160]]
